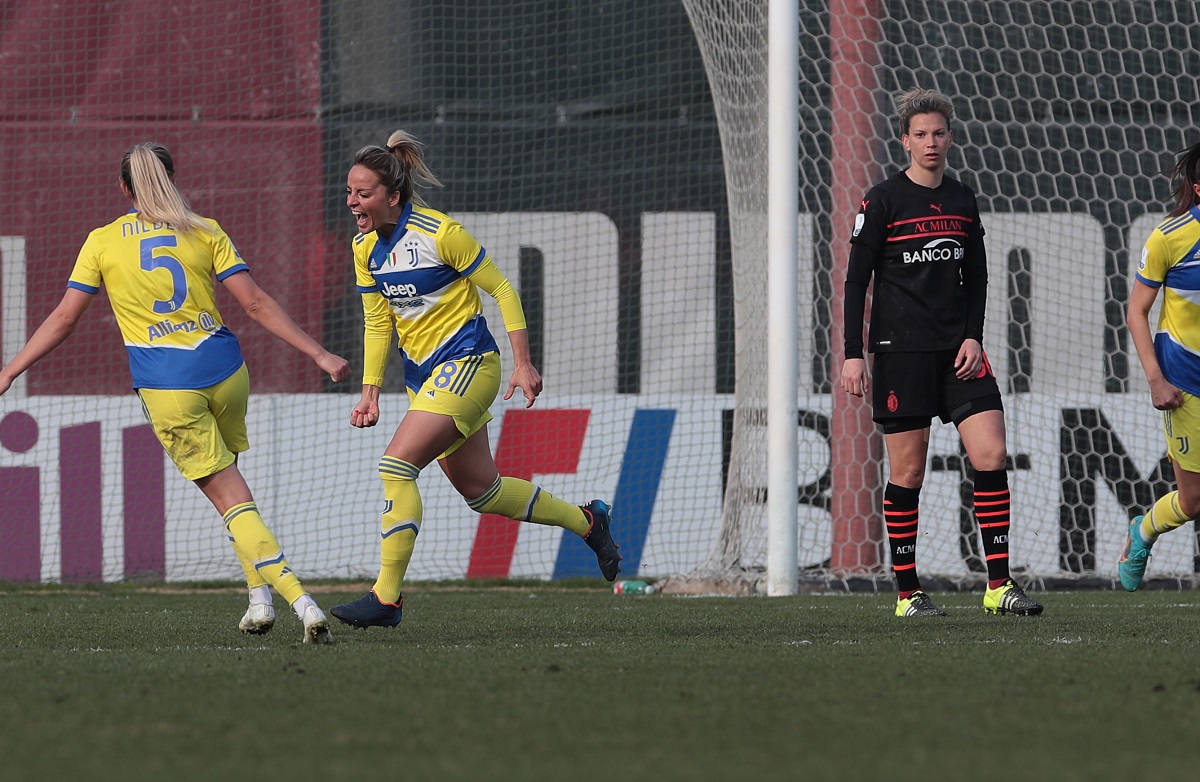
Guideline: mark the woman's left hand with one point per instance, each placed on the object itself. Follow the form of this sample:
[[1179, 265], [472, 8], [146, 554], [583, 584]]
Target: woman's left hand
[[969, 360], [529, 380]]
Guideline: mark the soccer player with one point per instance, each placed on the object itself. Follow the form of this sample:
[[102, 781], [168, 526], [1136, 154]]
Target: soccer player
[[419, 273], [1171, 360], [157, 262], [919, 235]]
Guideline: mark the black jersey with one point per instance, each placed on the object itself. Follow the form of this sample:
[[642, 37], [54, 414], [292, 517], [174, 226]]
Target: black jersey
[[924, 247]]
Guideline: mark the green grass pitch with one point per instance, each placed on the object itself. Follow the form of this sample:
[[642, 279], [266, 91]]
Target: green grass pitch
[[543, 683]]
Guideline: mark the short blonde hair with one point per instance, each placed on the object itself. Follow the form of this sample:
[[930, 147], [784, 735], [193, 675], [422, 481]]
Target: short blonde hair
[[921, 101]]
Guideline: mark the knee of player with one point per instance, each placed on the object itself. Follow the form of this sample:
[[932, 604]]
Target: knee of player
[[990, 459], [393, 469], [908, 476], [1189, 504]]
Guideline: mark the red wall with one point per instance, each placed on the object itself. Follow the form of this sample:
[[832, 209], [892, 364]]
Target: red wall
[[138, 60], [232, 89]]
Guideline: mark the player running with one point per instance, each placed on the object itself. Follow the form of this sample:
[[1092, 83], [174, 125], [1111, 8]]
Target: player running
[[158, 262], [419, 273], [1171, 360]]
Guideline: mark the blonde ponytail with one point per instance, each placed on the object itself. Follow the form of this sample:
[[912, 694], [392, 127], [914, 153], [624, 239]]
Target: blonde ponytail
[[410, 153], [146, 170]]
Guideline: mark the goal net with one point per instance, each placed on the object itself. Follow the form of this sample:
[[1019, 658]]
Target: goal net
[[576, 143], [1067, 115], [612, 159]]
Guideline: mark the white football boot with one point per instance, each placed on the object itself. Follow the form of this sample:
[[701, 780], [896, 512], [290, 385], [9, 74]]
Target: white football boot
[[316, 626], [258, 619]]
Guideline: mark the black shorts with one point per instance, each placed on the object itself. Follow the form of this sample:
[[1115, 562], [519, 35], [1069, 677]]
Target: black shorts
[[909, 389]]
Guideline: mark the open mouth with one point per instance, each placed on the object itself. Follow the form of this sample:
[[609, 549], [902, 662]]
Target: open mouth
[[361, 220]]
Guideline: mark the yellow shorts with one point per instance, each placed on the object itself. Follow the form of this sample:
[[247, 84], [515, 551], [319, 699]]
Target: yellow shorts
[[463, 389], [202, 429], [1179, 426]]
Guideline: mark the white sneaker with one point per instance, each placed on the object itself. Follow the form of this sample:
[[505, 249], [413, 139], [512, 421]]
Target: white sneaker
[[316, 626], [258, 619]]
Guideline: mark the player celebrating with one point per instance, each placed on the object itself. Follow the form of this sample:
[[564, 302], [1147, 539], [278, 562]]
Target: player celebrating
[[919, 234], [158, 261], [419, 273], [1171, 360]]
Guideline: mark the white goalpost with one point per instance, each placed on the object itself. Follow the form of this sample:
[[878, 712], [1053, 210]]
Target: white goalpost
[[782, 186]]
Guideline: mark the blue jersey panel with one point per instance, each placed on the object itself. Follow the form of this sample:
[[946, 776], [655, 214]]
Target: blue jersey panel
[[415, 282], [473, 339], [1180, 366], [201, 366], [1184, 276]]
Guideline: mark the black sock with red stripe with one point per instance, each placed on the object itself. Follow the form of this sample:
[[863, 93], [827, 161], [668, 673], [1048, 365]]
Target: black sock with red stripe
[[993, 510], [900, 515]]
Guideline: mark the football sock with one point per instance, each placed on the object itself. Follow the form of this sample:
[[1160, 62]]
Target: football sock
[[399, 526], [900, 514], [522, 501], [256, 543], [254, 579], [260, 595], [1164, 516], [302, 603], [993, 510]]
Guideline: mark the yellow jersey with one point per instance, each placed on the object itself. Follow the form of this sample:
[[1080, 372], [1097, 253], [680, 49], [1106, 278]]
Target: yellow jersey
[[415, 281], [1171, 260], [160, 285]]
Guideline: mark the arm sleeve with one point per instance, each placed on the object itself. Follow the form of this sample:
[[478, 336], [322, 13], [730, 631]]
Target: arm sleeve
[[86, 275], [377, 321], [363, 280], [490, 279], [854, 302], [868, 236], [975, 282], [226, 259], [377, 338], [461, 250], [1155, 261]]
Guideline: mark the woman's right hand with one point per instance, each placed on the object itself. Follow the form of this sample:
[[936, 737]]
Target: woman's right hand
[[337, 367], [854, 376], [1164, 395]]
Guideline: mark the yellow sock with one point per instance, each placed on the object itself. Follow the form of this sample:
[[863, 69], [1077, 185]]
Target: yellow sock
[[399, 526], [522, 501], [1164, 516], [254, 579], [258, 546]]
